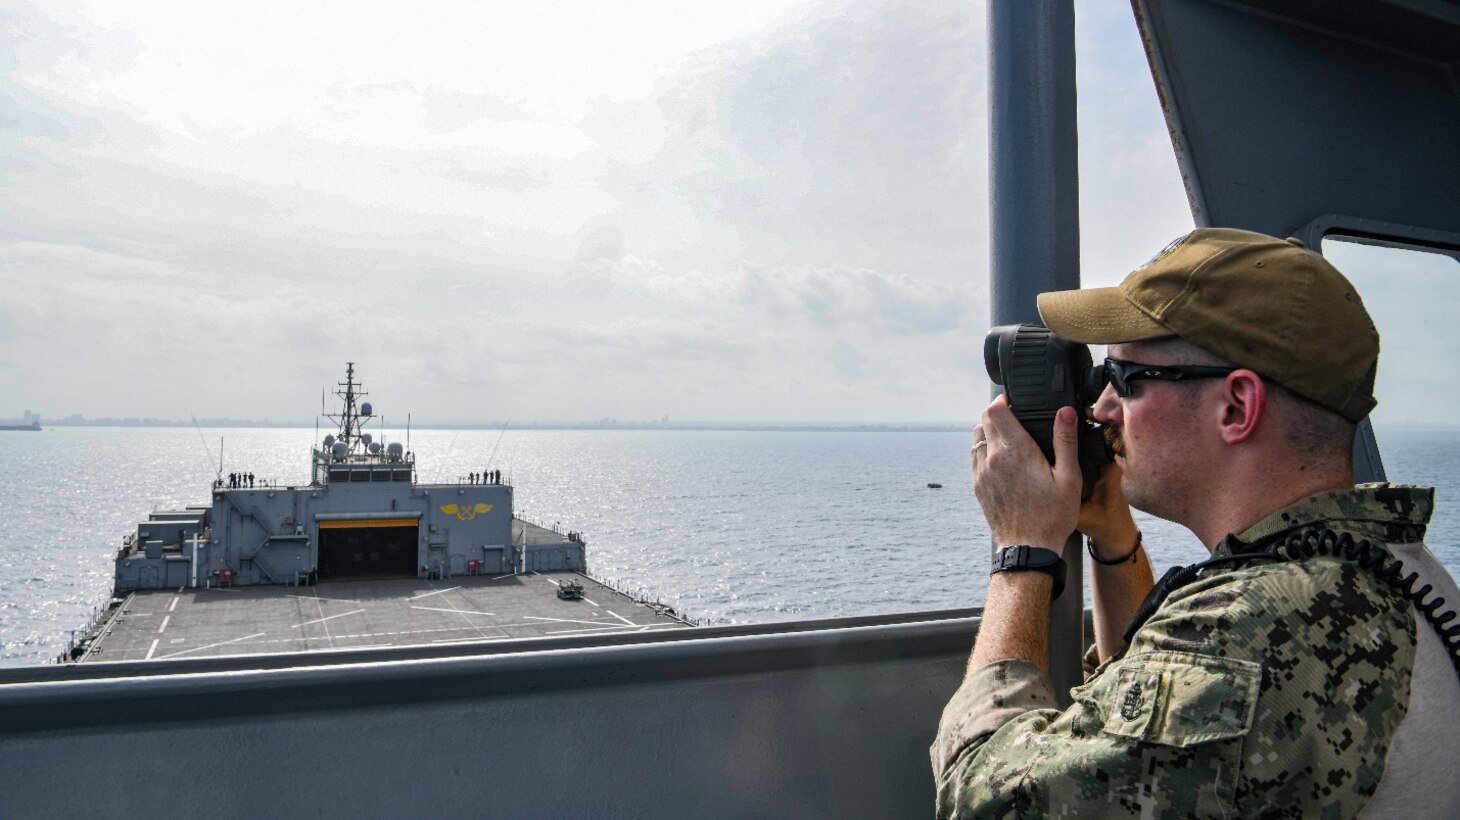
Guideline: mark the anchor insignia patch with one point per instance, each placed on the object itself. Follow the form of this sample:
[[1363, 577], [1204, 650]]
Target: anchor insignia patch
[[1130, 708]]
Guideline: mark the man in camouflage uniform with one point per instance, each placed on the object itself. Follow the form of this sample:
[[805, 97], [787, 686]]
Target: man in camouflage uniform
[[1296, 688]]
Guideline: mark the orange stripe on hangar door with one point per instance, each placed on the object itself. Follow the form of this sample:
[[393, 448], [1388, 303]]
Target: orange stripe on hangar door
[[363, 523]]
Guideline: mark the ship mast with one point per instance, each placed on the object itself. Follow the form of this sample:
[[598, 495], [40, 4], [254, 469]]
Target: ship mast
[[351, 420]]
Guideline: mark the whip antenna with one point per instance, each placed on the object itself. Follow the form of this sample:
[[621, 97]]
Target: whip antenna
[[499, 443], [217, 465], [437, 479]]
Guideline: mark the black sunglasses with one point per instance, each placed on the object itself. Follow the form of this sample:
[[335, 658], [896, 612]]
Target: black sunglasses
[[1120, 374]]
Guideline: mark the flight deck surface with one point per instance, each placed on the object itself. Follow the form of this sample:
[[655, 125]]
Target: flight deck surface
[[202, 622]]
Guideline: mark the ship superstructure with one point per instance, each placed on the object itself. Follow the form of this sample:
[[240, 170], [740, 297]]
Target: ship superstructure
[[362, 514]]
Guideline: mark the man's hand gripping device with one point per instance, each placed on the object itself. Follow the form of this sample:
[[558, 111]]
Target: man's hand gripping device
[[1041, 373]]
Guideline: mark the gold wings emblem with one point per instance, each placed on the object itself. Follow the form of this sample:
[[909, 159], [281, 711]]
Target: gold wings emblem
[[468, 512]]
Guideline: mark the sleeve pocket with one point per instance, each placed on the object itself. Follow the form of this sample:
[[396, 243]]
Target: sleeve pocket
[[1182, 699]]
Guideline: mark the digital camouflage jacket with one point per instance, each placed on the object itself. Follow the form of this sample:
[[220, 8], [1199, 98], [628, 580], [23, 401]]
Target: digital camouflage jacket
[[1271, 690]]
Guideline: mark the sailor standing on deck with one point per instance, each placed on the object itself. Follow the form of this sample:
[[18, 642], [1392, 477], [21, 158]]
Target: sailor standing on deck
[[1302, 687]]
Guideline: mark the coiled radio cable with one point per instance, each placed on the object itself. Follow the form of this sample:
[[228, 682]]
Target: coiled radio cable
[[1306, 543]]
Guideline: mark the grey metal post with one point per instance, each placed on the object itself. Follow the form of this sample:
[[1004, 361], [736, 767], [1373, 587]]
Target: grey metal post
[[1034, 214]]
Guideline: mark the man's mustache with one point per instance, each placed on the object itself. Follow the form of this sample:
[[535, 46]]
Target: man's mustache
[[1112, 438]]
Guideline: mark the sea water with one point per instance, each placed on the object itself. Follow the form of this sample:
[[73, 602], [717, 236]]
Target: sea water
[[725, 526]]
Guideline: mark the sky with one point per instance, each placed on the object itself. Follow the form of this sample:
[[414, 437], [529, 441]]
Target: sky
[[544, 212]]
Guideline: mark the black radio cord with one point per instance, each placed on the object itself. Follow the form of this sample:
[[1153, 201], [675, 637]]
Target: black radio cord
[[1306, 543], [1315, 541]]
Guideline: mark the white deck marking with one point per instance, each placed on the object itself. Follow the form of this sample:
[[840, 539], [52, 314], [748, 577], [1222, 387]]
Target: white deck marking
[[151, 649], [456, 609], [322, 598], [460, 611], [416, 629], [609, 628], [435, 592], [211, 645], [172, 607], [589, 600], [571, 621], [330, 618], [322, 619], [294, 641]]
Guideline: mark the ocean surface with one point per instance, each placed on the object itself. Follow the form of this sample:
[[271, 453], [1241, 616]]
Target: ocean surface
[[726, 527]]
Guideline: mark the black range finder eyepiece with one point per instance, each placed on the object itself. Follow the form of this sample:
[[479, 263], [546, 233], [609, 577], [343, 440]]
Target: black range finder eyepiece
[[1041, 373]]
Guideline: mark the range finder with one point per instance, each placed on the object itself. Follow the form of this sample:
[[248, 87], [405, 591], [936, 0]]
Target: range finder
[[1041, 373]]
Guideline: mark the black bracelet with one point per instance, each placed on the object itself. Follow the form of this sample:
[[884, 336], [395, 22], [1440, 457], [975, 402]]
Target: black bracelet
[[1129, 556]]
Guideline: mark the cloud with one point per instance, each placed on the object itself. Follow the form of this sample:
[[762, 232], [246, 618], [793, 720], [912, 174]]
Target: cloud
[[878, 302], [602, 244], [1131, 199], [805, 342], [824, 297], [850, 138], [766, 210], [863, 114]]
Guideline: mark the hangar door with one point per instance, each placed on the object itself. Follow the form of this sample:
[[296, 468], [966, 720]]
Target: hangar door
[[355, 548]]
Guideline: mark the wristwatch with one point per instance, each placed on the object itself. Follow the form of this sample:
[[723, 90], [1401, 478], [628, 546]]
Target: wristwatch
[[1025, 557]]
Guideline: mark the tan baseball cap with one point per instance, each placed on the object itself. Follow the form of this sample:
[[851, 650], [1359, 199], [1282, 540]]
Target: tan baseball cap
[[1265, 304]]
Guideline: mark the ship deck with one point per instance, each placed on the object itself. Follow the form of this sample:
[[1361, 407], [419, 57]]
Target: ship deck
[[202, 622]]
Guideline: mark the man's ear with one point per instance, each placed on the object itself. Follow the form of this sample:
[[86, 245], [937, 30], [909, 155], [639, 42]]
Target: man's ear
[[1244, 405]]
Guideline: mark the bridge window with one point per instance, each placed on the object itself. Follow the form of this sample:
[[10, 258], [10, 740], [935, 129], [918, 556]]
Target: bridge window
[[1413, 293]]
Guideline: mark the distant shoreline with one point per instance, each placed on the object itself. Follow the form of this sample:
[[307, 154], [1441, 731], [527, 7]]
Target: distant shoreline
[[708, 426], [785, 427]]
